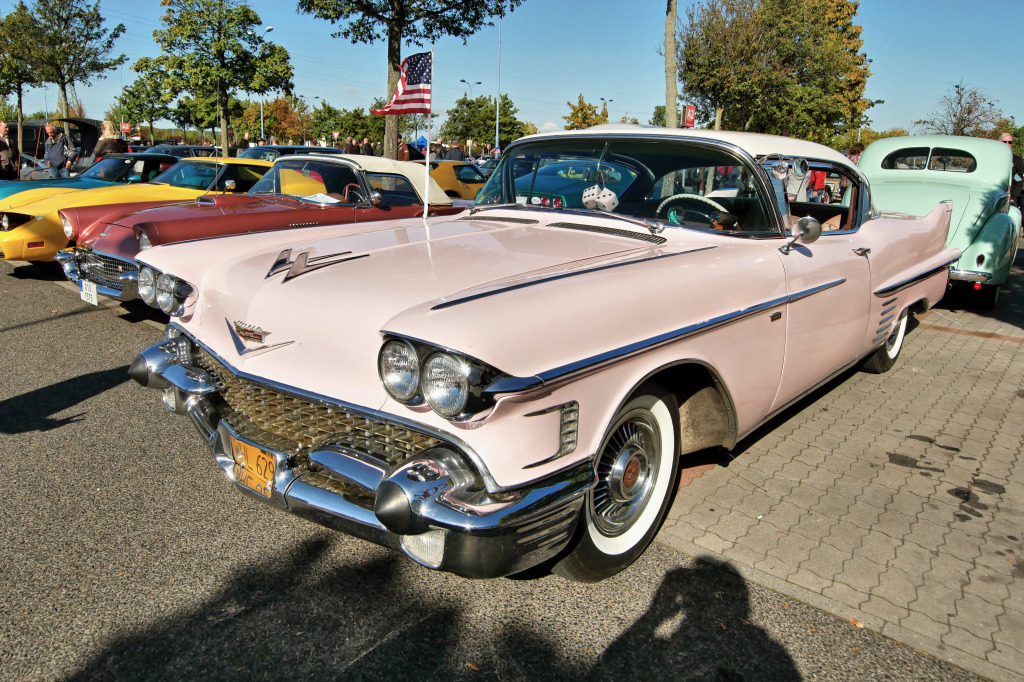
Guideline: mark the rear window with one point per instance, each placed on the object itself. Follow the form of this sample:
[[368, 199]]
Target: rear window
[[925, 158]]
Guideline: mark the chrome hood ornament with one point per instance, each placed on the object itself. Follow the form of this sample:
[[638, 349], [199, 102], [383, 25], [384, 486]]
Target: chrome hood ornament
[[250, 332]]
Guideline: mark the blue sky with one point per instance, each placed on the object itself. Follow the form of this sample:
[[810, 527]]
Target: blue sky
[[554, 50]]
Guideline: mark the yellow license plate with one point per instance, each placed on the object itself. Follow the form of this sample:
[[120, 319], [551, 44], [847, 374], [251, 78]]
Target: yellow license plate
[[254, 467]]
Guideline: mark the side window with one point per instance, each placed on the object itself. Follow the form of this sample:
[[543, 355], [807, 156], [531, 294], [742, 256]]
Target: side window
[[831, 194], [951, 160], [911, 158]]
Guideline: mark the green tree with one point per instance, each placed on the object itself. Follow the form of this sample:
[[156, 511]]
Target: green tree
[[962, 111], [74, 46], [473, 119], [214, 46], [19, 35], [410, 21], [775, 65], [142, 102], [583, 114]]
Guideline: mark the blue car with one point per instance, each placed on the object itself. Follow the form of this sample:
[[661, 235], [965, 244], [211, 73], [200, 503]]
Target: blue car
[[116, 169]]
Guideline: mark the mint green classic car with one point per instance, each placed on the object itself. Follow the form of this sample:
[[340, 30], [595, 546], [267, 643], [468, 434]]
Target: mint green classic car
[[913, 174]]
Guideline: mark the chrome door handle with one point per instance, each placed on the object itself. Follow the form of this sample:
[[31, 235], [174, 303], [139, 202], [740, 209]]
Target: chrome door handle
[[862, 251]]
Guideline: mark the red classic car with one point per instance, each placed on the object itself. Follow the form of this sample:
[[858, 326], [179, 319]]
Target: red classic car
[[299, 191]]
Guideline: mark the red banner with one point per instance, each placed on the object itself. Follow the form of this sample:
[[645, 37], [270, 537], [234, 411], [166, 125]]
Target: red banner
[[690, 119]]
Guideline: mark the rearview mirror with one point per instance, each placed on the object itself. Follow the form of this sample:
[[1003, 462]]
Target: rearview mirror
[[134, 178]]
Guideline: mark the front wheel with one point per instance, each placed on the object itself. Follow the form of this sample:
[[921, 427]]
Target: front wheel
[[636, 472], [883, 359]]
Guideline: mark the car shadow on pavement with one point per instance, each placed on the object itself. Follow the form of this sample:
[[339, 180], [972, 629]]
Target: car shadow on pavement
[[1009, 306], [44, 271], [289, 617], [31, 411]]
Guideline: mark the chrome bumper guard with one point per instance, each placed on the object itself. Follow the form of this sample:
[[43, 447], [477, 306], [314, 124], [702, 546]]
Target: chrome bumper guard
[[71, 263], [431, 507], [969, 275]]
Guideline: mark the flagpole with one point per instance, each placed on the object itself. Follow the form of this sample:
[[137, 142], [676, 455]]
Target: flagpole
[[426, 162]]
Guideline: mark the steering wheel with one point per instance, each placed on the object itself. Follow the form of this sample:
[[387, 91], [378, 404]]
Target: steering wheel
[[674, 208], [353, 194]]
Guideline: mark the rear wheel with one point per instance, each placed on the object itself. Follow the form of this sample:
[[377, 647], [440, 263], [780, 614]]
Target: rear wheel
[[884, 358], [636, 471]]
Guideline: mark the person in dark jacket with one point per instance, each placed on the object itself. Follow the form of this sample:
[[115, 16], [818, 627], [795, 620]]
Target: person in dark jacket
[[1017, 181], [455, 153], [8, 155], [108, 141], [59, 154]]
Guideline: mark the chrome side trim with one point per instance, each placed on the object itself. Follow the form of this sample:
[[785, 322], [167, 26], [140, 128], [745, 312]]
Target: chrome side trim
[[970, 275], [911, 281], [515, 384], [553, 278]]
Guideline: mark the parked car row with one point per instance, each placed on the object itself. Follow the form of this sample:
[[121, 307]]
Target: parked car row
[[515, 384]]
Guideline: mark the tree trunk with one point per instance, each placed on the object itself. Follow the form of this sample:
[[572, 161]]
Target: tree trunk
[[671, 72], [222, 106], [394, 67], [21, 120], [718, 117]]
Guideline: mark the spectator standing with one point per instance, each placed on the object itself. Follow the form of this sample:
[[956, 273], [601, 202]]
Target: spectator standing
[[366, 149], [58, 153], [378, 149], [816, 185], [108, 141], [403, 150], [8, 155], [351, 147], [1017, 180], [855, 151], [455, 153]]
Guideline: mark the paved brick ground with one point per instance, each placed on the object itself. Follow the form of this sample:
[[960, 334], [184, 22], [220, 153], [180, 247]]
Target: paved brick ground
[[896, 499]]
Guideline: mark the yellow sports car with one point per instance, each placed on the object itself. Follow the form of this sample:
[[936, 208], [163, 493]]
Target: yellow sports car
[[33, 231], [458, 179]]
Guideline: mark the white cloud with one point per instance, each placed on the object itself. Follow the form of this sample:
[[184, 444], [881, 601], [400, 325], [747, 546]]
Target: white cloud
[[549, 127]]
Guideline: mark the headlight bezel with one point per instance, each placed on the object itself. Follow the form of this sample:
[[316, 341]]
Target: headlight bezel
[[408, 397], [148, 286], [144, 241], [69, 229], [478, 377], [9, 221]]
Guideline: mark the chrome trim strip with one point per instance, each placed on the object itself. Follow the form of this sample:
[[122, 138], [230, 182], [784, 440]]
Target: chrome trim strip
[[514, 384], [880, 337], [970, 275], [553, 278], [885, 319], [891, 300], [907, 283], [888, 310]]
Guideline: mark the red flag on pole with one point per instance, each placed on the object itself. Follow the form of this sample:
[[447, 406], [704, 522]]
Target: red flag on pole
[[412, 95]]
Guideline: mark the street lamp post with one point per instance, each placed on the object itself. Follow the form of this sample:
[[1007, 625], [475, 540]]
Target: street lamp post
[[470, 85], [268, 29], [606, 103]]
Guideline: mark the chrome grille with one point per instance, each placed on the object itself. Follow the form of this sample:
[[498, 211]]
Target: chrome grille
[[296, 425], [103, 269]]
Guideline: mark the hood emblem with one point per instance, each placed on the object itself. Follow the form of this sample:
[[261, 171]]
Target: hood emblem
[[303, 262], [241, 332], [250, 332]]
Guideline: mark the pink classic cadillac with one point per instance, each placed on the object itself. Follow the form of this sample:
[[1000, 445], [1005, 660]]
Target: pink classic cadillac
[[516, 386]]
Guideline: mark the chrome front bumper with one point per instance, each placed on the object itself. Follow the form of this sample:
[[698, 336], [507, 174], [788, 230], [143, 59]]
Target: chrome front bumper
[[431, 506], [71, 263]]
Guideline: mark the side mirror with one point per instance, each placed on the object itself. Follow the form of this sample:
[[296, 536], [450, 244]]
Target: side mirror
[[806, 230], [134, 178], [800, 168], [376, 198], [229, 185]]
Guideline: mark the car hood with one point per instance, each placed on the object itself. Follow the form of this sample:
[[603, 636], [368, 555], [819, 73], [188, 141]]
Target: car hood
[[115, 194], [464, 284], [11, 188], [211, 205]]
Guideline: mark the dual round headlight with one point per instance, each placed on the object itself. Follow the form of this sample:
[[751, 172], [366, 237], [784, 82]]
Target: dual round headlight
[[162, 291], [443, 381]]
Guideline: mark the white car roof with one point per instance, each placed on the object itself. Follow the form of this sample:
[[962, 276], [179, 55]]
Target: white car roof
[[376, 164], [756, 144]]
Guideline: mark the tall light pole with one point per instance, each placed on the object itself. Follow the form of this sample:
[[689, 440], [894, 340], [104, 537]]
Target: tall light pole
[[470, 85], [497, 101], [606, 103], [268, 29]]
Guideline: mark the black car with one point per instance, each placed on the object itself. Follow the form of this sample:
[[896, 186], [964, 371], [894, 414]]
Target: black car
[[270, 152]]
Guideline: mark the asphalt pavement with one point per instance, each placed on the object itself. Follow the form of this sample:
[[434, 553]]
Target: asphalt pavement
[[126, 554]]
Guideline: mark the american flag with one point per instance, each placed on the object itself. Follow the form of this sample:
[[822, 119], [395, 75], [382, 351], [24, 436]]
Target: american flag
[[412, 96]]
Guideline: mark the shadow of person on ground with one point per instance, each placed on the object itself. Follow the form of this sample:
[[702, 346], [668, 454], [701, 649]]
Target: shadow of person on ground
[[697, 628], [31, 411]]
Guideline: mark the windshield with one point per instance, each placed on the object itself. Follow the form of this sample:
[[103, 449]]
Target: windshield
[[325, 183], [192, 174], [671, 182], [114, 170], [261, 153]]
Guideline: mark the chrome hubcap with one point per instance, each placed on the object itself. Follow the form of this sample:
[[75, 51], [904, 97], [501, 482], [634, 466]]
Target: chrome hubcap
[[626, 471]]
